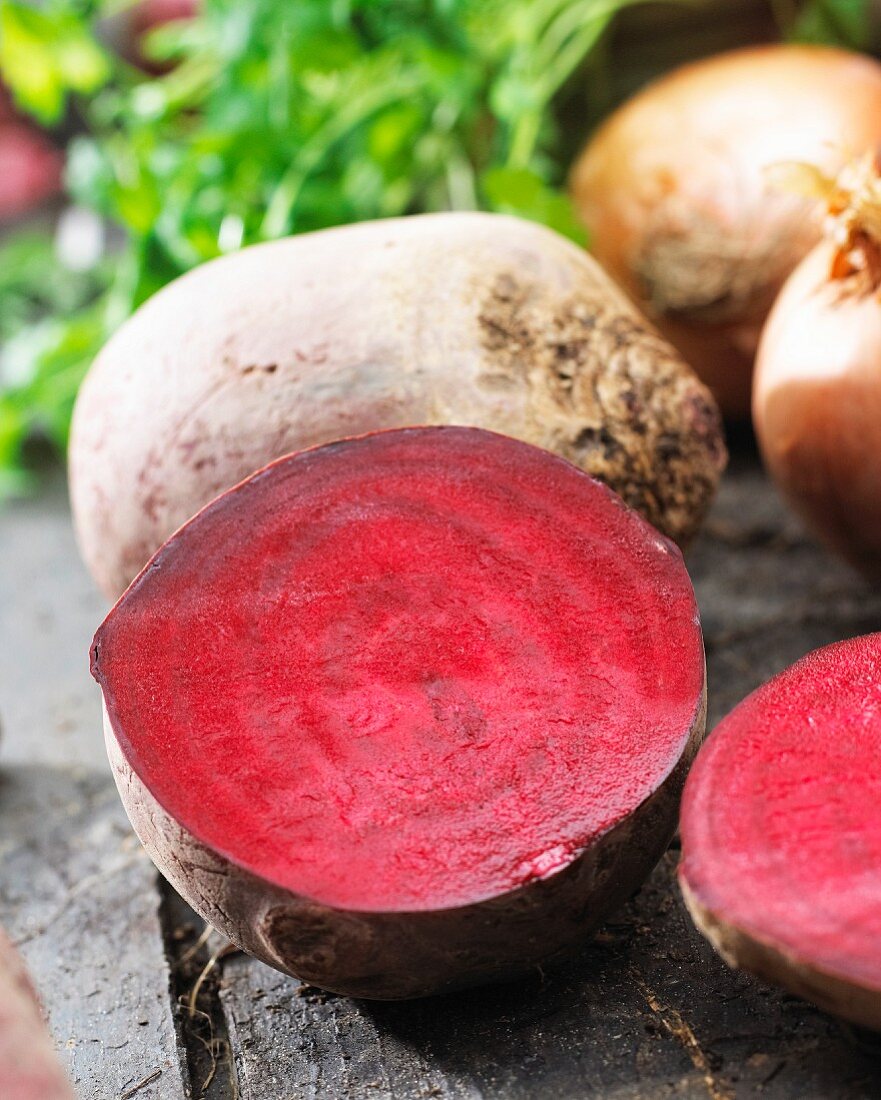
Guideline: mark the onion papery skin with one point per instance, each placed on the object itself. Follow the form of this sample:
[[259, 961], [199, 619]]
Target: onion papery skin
[[674, 193], [817, 407]]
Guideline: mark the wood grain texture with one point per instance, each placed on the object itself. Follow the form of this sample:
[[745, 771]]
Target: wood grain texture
[[645, 1011], [29, 1068], [80, 899], [767, 593], [49, 710]]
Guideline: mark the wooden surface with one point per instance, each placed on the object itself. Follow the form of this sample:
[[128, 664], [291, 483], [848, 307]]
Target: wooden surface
[[645, 1011]]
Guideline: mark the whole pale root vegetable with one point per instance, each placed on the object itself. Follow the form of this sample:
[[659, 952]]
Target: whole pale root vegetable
[[673, 190], [28, 1067], [471, 319]]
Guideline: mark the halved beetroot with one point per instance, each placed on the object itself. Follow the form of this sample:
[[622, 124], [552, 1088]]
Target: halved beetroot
[[407, 711], [781, 831]]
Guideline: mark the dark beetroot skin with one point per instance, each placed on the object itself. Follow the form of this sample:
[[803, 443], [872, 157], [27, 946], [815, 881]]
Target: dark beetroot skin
[[408, 711], [781, 831]]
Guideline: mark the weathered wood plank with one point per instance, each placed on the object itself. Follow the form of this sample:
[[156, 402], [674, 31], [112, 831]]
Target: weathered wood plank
[[80, 899], [767, 593], [76, 892], [645, 1012], [49, 610], [193, 950]]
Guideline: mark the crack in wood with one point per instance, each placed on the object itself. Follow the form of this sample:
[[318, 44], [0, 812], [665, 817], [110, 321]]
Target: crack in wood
[[82, 887], [673, 1022], [198, 1014], [142, 1084], [86, 912]]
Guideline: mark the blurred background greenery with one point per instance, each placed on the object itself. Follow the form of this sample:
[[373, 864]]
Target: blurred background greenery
[[191, 128]]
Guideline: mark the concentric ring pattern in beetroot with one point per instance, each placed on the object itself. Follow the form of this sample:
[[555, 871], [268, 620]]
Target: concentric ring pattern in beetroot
[[407, 672], [781, 829]]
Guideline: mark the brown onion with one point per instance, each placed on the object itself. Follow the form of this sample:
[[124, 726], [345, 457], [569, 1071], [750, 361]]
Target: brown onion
[[817, 397], [672, 190]]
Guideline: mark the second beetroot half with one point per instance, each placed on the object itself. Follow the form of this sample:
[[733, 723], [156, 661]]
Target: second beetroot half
[[408, 711], [781, 831]]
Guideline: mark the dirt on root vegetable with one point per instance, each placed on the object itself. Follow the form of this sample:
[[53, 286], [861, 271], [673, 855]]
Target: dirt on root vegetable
[[472, 319]]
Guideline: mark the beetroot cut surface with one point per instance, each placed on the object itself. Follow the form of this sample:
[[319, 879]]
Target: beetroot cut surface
[[781, 831], [406, 677]]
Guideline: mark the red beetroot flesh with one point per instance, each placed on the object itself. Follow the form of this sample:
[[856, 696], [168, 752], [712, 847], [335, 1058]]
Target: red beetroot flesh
[[406, 672], [781, 821]]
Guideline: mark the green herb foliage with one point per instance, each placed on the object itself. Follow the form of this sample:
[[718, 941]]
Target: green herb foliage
[[277, 118], [51, 321], [834, 22], [273, 117]]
